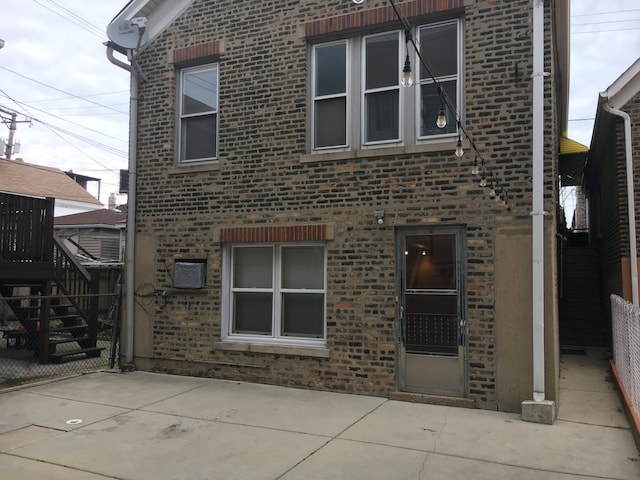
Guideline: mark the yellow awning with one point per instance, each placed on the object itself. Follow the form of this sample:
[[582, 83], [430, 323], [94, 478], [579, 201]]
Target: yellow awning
[[568, 146]]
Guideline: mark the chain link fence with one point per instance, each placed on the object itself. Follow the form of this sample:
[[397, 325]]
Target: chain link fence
[[626, 347], [72, 345]]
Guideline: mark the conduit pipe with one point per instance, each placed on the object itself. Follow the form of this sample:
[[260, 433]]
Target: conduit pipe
[[128, 324], [538, 212], [633, 255]]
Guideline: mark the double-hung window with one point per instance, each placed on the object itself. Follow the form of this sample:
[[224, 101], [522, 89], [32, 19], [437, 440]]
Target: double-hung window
[[330, 95], [275, 294], [357, 100], [381, 117], [198, 112], [439, 76]]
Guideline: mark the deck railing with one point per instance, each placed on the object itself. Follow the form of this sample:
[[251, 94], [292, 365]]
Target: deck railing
[[26, 228]]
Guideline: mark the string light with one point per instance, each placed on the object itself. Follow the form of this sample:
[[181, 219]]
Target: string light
[[407, 79], [459, 149], [441, 121], [445, 103]]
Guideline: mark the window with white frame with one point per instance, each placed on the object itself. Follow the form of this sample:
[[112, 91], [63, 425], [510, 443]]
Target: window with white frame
[[198, 113], [357, 98], [275, 294]]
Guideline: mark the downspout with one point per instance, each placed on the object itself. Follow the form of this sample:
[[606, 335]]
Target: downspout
[[127, 330], [538, 212], [630, 198]]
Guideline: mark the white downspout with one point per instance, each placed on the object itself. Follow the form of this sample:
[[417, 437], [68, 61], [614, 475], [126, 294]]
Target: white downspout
[[128, 324], [630, 199], [538, 212]]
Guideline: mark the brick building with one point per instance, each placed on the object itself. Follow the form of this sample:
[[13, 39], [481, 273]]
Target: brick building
[[334, 239]]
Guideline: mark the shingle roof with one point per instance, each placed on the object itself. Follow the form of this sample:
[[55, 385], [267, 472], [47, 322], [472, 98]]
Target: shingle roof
[[36, 180], [101, 216]]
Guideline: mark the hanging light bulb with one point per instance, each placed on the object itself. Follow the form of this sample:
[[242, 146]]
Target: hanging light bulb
[[459, 149], [441, 121], [492, 191], [475, 170], [483, 181], [407, 79]]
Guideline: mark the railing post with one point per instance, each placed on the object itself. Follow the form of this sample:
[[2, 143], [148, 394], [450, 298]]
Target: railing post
[[93, 308], [43, 334]]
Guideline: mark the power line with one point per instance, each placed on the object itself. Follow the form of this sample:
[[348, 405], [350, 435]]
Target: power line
[[24, 105], [73, 18], [606, 31], [604, 13], [59, 90]]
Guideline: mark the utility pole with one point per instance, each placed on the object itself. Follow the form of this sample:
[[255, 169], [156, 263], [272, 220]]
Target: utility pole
[[11, 146]]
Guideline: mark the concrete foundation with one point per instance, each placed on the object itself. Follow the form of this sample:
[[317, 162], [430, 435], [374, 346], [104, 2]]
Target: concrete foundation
[[539, 412]]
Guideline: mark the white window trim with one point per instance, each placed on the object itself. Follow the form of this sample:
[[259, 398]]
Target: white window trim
[[275, 339], [179, 160], [409, 127]]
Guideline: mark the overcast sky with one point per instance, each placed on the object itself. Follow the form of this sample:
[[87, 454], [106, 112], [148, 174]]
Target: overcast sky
[[54, 70]]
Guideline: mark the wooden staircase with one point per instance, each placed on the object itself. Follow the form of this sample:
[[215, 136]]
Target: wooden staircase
[[59, 313], [582, 322]]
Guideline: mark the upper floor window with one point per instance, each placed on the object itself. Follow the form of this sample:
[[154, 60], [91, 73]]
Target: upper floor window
[[357, 98], [198, 112]]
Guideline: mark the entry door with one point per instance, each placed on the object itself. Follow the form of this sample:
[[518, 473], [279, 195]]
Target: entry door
[[431, 313]]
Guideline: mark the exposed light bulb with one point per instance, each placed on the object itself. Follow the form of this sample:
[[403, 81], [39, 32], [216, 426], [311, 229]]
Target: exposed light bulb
[[459, 149], [407, 79], [483, 181], [441, 121], [423, 253], [475, 170]]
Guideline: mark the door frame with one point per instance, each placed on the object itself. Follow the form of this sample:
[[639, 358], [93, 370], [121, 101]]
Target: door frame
[[461, 275]]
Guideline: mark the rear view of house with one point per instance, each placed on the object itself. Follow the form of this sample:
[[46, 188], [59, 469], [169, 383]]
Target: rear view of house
[[338, 196]]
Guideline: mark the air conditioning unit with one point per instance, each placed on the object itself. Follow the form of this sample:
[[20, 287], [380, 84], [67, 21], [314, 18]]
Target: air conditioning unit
[[190, 274]]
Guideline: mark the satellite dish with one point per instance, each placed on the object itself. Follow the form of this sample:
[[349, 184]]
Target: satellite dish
[[128, 34]]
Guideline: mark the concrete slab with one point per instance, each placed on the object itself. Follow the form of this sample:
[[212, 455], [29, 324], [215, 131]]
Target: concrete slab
[[23, 408], [564, 447], [268, 406], [592, 407], [148, 446], [25, 436], [342, 460], [131, 390], [587, 370], [24, 468]]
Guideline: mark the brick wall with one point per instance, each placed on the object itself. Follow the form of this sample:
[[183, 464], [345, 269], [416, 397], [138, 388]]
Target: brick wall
[[262, 181]]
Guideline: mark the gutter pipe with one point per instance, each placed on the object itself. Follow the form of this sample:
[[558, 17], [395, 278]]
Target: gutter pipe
[[128, 330], [538, 212], [630, 198]]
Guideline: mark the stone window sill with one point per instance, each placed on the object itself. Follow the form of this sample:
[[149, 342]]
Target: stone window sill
[[449, 145], [294, 351]]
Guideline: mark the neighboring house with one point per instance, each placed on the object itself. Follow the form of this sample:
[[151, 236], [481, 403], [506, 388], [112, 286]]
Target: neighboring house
[[613, 159], [329, 236], [95, 237], [20, 178]]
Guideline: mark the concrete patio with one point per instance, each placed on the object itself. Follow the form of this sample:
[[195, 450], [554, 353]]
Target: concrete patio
[[140, 425]]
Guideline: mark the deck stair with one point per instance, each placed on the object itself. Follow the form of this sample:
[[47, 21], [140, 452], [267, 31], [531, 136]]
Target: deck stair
[[54, 298]]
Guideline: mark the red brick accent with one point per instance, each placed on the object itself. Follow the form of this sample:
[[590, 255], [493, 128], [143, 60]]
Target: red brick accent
[[366, 18], [194, 52], [297, 233]]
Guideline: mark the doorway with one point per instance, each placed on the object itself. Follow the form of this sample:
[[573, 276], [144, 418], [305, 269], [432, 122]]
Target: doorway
[[431, 311]]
